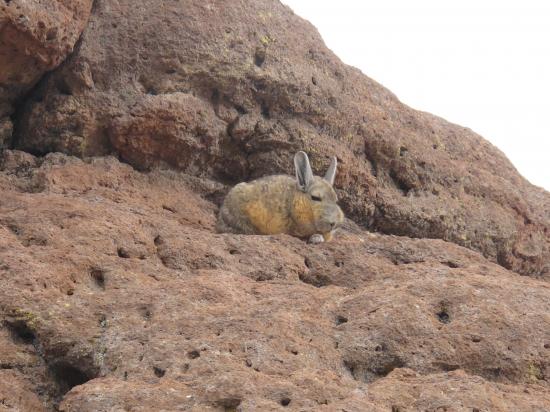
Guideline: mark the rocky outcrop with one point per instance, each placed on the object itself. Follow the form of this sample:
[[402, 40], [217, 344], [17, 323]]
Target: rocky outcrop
[[35, 37], [229, 90], [118, 293], [398, 392]]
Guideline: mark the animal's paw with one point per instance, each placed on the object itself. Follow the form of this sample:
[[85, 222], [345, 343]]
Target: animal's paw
[[316, 238]]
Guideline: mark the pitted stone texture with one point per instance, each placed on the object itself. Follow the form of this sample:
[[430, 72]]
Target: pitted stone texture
[[231, 90]]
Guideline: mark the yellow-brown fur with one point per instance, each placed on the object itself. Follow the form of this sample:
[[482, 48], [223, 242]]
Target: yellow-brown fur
[[301, 207]]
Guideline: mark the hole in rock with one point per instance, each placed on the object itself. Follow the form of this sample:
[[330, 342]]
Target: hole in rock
[[403, 151], [234, 252], [68, 376], [318, 280], [285, 401], [261, 276], [443, 316], [400, 183], [194, 354], [350, 368], [98, 275], [159, 372], [21, 331], [386, 368], [122, 253], [375, 368], [63, 87], [240, 109], [341, 319], [169, 208], [146, 312], [14, 229], [229, 404], [493, 373], [51, 34]]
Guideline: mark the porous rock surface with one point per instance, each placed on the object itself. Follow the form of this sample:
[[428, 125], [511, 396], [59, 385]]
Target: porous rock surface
[[118, 295], [228, 89], [35, 36]]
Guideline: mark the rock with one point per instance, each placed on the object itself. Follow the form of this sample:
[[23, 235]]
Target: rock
[[117, 293], [454, 391], [178, 130], [6, 129], [229, 91], [446, 329], [15, 393], [35, 37]]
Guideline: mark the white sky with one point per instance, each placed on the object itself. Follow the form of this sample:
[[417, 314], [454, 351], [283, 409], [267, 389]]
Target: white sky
[[482, 64]]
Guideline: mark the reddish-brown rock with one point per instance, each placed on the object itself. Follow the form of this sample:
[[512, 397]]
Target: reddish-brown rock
[[16, 394], [117, 293], [230, 90], [405, 390], [35, 37]]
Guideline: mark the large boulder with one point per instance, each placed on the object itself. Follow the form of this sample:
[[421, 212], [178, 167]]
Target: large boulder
[[34, 37], [230, 90]]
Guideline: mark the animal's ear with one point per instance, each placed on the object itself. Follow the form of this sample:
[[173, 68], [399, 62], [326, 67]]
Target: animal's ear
[[331, 172], [304, 175]]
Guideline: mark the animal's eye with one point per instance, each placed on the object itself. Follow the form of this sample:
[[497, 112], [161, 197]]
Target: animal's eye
[[315, 198]]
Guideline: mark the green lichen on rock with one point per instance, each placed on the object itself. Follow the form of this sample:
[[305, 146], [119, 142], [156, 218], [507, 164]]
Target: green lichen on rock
[[27, 317], [265, 40], [534, 372]]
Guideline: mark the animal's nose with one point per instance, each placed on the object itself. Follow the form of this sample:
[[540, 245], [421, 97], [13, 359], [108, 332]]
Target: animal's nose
[[332, 225]]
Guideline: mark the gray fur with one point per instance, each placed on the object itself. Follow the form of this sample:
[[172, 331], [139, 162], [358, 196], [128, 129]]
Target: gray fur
[[304, 174], [331, 172]]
